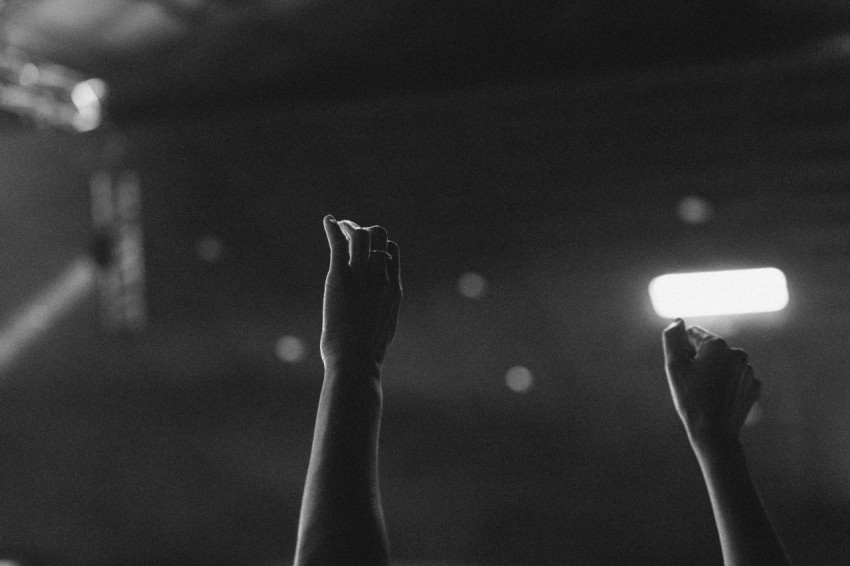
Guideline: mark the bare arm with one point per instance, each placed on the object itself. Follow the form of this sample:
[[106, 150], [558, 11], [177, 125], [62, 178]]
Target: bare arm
[[341, 516], [714, 389]]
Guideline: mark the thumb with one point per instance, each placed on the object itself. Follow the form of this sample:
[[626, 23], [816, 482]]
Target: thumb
[[677, 346], [337, 242]]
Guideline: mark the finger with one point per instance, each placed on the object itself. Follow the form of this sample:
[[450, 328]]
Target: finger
[[677, 347], [378, 256], [753, 394], [336, 241], [707, 343], [348, 227], [740, 380], [748, 377], [738, 361], [358, 244], [749, 400], [746, 398], [699, 335], [394, 265], [378, 235]]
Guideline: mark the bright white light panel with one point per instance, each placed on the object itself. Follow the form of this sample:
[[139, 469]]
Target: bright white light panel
[[713, 293]]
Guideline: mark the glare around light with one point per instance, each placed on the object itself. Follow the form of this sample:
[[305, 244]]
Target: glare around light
[[291, 349], [519, 379], [714, 293], [471, 285]]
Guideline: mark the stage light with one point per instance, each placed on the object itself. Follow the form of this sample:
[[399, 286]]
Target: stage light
[[88, 97], [471, 285], [713, 293], [519, 379], [291, 349], [37, 317], [49, 93]]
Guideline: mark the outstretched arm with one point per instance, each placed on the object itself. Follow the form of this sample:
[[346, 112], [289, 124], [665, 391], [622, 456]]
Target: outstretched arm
[[341, 517], [714, 389]]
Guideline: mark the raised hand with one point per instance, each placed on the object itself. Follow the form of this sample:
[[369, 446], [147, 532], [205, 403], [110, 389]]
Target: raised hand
[[362, 293], [713, 390], [342, 520], [713, 386]]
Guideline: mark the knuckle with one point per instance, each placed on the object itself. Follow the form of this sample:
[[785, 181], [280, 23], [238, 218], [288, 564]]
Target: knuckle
[[716, 345], [739, 355]]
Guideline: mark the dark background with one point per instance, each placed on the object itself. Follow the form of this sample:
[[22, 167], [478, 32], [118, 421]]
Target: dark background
[[553, 174]]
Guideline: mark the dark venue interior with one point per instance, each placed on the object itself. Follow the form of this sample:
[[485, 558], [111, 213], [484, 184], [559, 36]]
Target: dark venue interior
[[533, 159]]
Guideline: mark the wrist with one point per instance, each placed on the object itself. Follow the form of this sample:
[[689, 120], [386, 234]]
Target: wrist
[[715, 444], [352, 364]]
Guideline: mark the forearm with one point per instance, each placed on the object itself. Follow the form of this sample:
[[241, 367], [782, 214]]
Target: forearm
[[746, 535], [341, 517]]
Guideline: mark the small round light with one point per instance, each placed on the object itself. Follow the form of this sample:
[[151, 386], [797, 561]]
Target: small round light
[[694, 210], [519, 379], [472, 285], [210, 249], [291, 349]]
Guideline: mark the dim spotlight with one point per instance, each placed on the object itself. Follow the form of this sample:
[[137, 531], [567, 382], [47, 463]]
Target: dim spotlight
[[210, 249], [519, 379], [291, 349], [713, 293], [694, 210], [472, 285]]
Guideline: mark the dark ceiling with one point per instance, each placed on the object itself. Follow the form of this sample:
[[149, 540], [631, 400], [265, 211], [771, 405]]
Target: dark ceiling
[[187, 442], [160, 54]]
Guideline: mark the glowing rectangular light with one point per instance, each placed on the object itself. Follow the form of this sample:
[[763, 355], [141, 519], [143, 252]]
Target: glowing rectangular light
[[712, 293]]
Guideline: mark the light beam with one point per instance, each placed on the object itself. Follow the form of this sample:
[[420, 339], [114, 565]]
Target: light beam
[[34, 319]]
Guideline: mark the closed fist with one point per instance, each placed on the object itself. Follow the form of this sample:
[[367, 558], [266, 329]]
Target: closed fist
[[362, 293], [713, 386]]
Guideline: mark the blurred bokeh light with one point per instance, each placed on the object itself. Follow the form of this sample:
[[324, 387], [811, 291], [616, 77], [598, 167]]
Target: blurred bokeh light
[[519, 379], [472, 285], [291, 349]]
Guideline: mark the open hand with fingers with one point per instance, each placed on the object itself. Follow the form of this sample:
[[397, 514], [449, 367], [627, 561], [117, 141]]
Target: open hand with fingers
[[362, 293], [713, 386]]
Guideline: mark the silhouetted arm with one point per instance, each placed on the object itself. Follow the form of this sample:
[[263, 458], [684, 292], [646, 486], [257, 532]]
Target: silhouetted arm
[[714, 389], [341, 516]]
